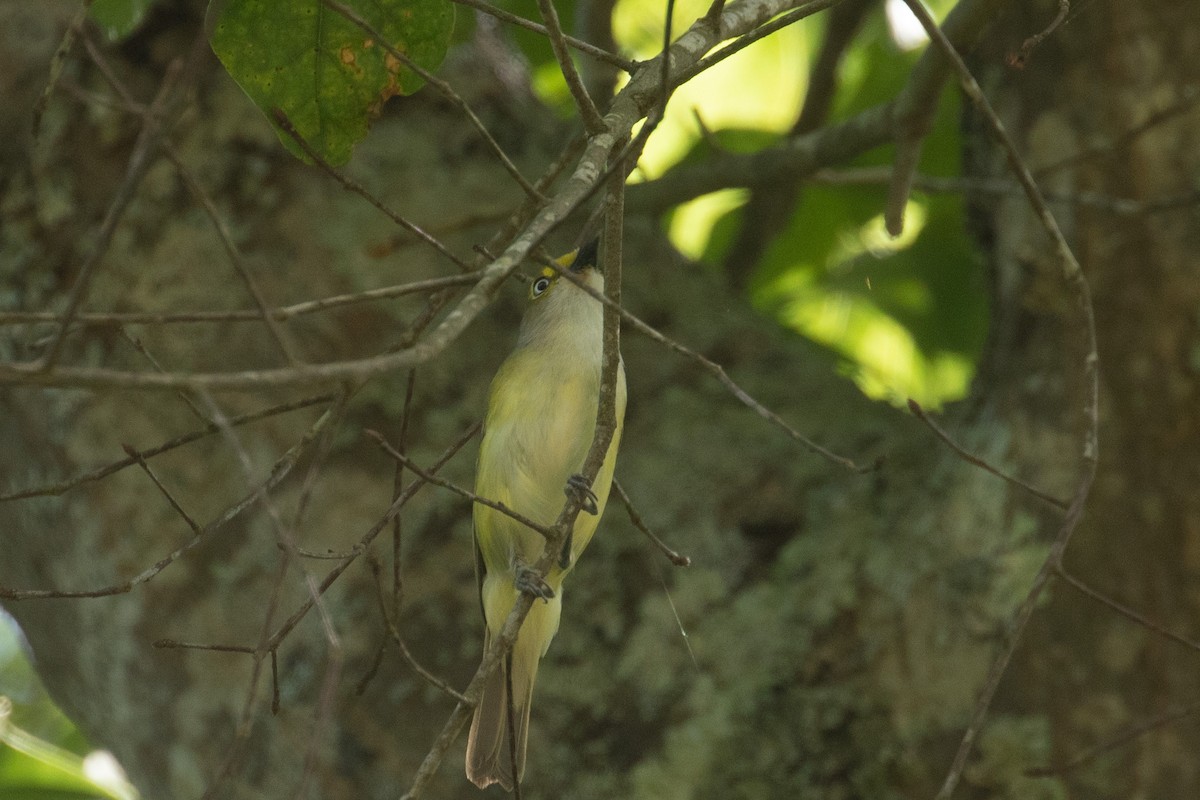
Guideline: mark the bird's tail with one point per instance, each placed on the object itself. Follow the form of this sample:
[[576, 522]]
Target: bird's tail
[[490, 751]]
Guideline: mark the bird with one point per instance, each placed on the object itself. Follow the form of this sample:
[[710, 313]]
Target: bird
[[538, 428]]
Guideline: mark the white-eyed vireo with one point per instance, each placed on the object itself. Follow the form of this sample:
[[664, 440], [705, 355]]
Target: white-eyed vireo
[[540, 420]]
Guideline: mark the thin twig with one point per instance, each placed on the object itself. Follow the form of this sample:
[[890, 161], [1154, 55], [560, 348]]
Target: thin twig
[[367, 538], [140, 161], [1128, 735], [593, 123], [233, 254], [408, 463], [1020, 58], [636, 518], [802, 10], [172, 644], [1124, 610], [146, 354], [279, 470], [962, 453], [96, 474], [285, 538], [191, 523], [236, 752], [935, 184], [285, 124], [281, 313], [397, 488], [1073, 275], [360, 688], [397, 536], [394, 632], [588, 48], [717, 371], [437, 83], [57, 62]]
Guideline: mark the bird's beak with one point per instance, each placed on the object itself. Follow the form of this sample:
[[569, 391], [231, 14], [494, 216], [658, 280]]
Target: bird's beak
[[587, 256]]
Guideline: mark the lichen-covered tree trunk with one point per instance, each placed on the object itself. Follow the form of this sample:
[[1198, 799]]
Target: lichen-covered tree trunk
[[833, 631], [1107, 107]]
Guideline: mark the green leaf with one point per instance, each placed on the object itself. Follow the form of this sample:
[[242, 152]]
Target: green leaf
[[118, 18], [327, 75]]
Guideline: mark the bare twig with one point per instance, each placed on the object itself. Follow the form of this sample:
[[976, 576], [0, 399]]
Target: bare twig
[[397, 537], [233, 254], [636, 518], [588, 48], [96, 474], [148, 115], [280, 313], [285, 124], [394, 632], [409, 464], [1123, 609], [803, 9], [592, 121], [1128, 735], [641, 93], [397, 488], [1020, 58], [146, 354], [367, 538], [236, 752], [831, 144], [717, 371], [279, 470], [140, 160], [286, 540], [173, 644], [57, 62], [962, 453], [191, 523], [440, 85]]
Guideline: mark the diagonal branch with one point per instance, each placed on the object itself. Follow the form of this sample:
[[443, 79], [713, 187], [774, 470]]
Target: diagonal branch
[[641, 94]]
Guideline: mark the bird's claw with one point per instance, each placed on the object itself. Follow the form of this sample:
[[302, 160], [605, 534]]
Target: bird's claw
[[578, 489], [530, 582]]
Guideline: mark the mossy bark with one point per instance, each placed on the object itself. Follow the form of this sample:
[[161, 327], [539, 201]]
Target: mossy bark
[[832, 633]]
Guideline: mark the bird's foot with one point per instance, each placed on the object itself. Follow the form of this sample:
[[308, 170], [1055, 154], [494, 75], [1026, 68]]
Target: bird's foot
[[578, 489], [528, 581]]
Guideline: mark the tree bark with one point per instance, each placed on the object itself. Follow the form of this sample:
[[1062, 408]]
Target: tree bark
[[834, 629], [1116, 84]]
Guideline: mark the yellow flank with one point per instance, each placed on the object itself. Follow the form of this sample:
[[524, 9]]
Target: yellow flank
[[540, 420]]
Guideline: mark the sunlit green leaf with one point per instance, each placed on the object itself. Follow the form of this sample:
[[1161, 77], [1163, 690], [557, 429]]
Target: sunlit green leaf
[[908, 315], [321, 70], [118, 18]]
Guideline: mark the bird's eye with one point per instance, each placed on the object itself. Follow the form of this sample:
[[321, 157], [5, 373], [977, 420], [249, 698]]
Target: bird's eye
[[540, 286]]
